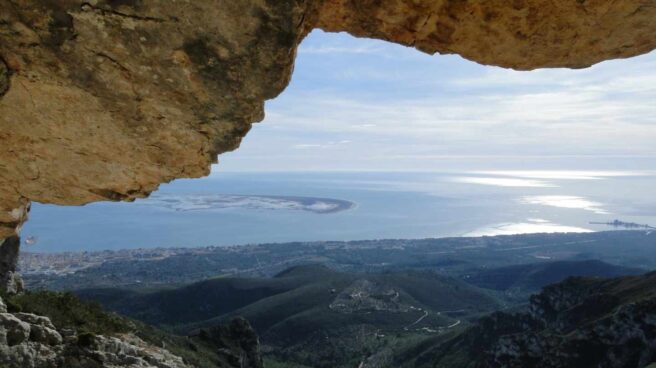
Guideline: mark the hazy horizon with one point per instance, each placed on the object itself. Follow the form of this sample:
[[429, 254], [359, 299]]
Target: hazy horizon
[[249, 208]]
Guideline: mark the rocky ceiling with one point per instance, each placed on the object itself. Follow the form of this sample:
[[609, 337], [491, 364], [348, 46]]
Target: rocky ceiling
[[106, 99]]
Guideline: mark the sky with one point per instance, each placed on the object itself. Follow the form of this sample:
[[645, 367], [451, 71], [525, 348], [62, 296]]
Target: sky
[[360, 104]]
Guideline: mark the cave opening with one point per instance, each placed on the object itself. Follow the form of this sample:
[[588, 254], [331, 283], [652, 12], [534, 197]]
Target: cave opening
[[364, 119], [391, 209]]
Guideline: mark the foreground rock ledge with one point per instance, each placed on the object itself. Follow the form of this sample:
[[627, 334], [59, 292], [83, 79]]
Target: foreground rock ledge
[[105, 100]]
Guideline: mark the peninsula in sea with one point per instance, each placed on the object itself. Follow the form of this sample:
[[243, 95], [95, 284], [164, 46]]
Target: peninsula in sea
[[195, 202]]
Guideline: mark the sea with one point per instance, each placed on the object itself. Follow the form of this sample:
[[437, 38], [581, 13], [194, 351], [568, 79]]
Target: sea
[[233, 208]]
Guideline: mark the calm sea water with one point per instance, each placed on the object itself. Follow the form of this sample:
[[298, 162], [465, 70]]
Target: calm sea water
[[388, 205]]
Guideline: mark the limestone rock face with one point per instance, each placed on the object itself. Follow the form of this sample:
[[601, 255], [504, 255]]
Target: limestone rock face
[[10, 280], [519, 34], [14, 331], [105, 100], [127, 351], [587, 321], [110, 98], [31, 341]]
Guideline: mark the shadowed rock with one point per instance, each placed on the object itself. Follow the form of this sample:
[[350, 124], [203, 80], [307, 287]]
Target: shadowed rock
[[10, 281], [4, 78]]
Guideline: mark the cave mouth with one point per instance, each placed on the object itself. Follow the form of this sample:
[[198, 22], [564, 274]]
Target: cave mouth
[[105, 101], [443, 122], [102, 102]]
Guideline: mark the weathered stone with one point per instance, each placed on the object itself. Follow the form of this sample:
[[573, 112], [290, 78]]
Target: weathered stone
[[44, 335], [15, 284], [10, 281], [134, 94], [4, 78], [519, 34], [16, 331], [11, 219], [33, 319], [128, 350], [31, 341], [237, 343]]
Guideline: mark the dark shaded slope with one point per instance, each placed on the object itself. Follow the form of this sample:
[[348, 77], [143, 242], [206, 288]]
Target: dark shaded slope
[[534, 276], [198, 301], [268, 301], [580, 322], [313, 315]]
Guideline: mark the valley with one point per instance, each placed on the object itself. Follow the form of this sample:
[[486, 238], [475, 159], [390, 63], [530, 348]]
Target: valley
[[376, 303]]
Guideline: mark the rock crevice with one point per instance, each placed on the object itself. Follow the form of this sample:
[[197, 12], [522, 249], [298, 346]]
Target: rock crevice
[[4, 77], [10, 280]]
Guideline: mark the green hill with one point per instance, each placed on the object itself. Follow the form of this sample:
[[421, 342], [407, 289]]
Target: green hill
[[306, 311], [198, 301], [530, 278]]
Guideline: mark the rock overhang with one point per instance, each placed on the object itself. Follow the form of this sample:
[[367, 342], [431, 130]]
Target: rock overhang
[[105, 100]]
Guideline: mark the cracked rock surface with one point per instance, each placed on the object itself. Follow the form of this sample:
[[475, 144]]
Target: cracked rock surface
[[31, 341], [579, 322], [93, 340], [10, 280], [105, 100]]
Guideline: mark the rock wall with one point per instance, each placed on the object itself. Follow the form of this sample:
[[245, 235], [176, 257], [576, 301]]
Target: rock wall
[[10, 280], [31, 341], [106, 99], [110, 98], [518, 34], [580, 322], [584, 323], [28, 340]]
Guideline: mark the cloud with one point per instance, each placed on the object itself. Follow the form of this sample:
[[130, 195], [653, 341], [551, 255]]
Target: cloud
[[305, 145], [325, 49], [564, 174], [400, 107], [323, 145]]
